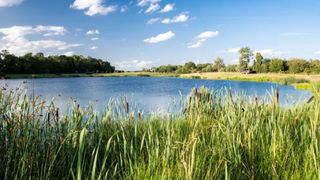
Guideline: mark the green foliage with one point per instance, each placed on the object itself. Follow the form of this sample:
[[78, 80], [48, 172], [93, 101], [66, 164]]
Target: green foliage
[[257, 66], [232, 68], [166, 68], [245, 58], [218, 137], [277, 65], [39, 64], [298, 65], [218, 64]]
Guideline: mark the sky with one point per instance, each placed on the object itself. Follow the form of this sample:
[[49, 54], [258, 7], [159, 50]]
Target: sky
[[136, 34]]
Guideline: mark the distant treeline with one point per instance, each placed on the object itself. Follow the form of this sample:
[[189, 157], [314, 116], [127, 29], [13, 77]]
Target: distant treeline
[[40, 64], [259, 64]]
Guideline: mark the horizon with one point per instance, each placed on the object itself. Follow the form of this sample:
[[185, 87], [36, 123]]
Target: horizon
[[146, 33]]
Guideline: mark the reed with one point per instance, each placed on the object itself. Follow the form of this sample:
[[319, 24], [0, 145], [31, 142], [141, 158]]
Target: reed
[[217, 136]]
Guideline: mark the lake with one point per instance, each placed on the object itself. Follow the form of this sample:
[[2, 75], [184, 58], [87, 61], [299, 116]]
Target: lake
[[146, 94]]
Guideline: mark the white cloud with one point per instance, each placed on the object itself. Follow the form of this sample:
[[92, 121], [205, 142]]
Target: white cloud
[[208, 35], [181, 18], [15, 39], [154, 20], [133, 65], [69, 53], [93, 47], [142, 3], [318, 52], [93, 7], [94, 39], [93, 32], [197, 44], [160, 38], [203, 37], [152, 8], [124, 9], [233, 50], [167, 8], [9, 3], [269, 52], [51, 30]]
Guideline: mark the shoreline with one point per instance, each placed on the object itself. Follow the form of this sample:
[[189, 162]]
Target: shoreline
[[299, 81]]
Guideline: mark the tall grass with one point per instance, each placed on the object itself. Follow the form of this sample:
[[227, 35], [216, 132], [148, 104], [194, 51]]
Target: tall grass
[[216, 137]]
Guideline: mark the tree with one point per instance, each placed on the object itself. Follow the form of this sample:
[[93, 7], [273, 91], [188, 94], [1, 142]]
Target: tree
[[218, 64], [232, 68], [277, 65], [257, 66], [190, 65], [29, 63], [245, 57], [298, 65]]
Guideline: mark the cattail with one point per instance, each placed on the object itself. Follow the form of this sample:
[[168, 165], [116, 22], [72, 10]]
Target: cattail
[[126, 106], [277, 95], [57, 114], [140, 116]]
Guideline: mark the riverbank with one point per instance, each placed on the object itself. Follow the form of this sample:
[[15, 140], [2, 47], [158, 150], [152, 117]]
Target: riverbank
[[300, 81]]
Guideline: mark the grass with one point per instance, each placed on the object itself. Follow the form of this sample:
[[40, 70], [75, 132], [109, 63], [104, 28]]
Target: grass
[[299, 81], [215, 137]]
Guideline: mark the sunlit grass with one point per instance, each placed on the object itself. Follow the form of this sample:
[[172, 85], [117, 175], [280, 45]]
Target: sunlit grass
[[217, 136]]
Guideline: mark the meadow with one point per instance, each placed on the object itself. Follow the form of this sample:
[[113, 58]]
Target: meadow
[[214, 136]]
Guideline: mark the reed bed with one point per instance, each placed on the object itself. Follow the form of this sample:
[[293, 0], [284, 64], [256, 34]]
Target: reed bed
[[217, 136]]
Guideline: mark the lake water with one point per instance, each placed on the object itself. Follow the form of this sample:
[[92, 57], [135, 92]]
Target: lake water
[[146, 93]]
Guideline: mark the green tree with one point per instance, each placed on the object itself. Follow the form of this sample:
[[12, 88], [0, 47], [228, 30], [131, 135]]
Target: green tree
[[277, 65], [245, 57], [218, 64], [298, 65], [190, 65], [257, 66]]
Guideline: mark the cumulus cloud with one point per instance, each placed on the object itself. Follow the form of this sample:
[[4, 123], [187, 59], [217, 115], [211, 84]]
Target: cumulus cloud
[[197, 44], [154, 20], [93, 32], [133, 65], [15, 39], [143, 3], [152, 8], [181, 18], [203, 37], [233, 50], [269, 52], [167, 8], [93, 48], [160, 38], [94, 39], [51, 30], [69, 53], [9, 3], [208, 35], [93, 7], [124, 9]]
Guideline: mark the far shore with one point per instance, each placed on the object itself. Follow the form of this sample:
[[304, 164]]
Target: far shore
[[300, 81]]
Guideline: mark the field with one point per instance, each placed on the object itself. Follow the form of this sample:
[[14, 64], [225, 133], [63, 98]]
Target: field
[[215, 136]]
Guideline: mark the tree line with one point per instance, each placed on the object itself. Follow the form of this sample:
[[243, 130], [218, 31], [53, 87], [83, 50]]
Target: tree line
[[248, 61], [40, 64]]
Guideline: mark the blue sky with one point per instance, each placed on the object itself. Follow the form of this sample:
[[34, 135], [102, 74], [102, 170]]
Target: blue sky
[[134, 34]]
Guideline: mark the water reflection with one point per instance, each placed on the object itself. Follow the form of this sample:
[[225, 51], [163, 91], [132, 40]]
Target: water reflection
[[145, 94]]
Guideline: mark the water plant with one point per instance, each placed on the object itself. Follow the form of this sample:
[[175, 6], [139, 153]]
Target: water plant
[[217, 136]]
